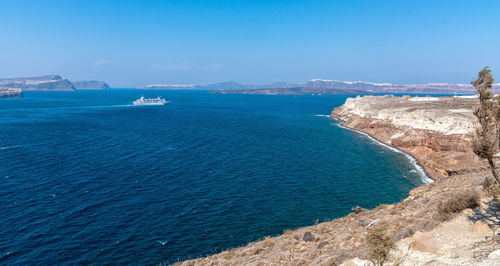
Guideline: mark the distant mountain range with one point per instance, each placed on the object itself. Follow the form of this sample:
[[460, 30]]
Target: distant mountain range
[[323, 86], [313, 86], [51, 83], [228, 85]]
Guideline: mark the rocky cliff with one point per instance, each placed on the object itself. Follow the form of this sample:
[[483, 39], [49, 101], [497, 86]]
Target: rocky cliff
[[435, 130], [437, 133]]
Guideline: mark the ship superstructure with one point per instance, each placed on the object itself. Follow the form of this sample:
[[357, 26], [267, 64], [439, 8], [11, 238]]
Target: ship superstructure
[[150, 101]]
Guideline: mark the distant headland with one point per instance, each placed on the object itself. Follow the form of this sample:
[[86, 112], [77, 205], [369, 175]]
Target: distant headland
[[50, 83]]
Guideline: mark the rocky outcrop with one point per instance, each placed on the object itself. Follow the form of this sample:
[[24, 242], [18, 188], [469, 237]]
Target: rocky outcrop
[[10, 92], [90, 85], [42, 83], [436, 131]]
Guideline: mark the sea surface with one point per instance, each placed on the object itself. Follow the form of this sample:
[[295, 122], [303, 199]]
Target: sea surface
[[85, 177]]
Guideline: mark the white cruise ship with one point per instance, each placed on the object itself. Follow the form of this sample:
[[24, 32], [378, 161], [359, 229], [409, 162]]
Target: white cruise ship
[[150, 101]]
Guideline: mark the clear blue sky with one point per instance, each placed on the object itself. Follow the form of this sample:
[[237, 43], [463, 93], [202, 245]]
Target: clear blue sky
[[133, 43]]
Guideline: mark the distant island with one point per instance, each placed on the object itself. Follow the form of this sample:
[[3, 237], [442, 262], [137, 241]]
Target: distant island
[[324, 86], [90, 85], [50, 83]]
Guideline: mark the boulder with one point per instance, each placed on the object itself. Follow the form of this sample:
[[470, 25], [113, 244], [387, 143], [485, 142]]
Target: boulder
[[425, 243], [358, 209], [481, 227], [308, 237]]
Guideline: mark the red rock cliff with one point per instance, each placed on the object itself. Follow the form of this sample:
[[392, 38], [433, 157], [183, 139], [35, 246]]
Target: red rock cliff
[[436, 131]]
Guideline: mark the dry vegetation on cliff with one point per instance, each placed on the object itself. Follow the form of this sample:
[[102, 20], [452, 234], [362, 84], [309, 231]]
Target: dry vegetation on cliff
[[338, 241]]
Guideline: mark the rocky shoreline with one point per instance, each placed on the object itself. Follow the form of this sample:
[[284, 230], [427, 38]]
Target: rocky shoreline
[[437, 133], [426, 174]]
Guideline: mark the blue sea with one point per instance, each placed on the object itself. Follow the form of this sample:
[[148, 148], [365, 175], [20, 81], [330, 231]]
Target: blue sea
[[85, 177]]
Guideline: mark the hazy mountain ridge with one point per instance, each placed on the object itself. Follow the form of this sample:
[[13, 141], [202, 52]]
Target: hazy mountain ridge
[[228, 85], [50, 83], [323, 86]]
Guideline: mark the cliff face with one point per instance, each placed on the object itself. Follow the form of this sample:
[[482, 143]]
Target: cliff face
[[436, 131], [42, 83]]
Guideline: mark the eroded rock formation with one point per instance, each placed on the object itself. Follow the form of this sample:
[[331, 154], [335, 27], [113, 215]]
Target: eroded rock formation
[[436, 131]]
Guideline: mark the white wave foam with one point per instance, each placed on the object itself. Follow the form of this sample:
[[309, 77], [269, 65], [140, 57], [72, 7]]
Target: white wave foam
[[322, 115], [162, 242], [9, 147], [420, 171]]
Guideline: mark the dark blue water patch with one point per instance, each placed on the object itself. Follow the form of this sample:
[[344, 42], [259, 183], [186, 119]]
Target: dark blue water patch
[[88, 178]]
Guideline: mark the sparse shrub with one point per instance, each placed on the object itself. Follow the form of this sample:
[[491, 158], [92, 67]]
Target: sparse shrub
[[268, 242], [403, 233], [405, 203], [492, 188], [229, 255], [380, 243], [321, 229], [458, 202]]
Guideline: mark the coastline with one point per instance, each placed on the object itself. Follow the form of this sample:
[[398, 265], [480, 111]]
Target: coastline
[[343, 241], [424, 173]]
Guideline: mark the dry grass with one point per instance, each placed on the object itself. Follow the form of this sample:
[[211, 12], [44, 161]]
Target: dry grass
[[321, 229], [458, 202], [492, 188], [380, 243], [229, 255], [268, 242]]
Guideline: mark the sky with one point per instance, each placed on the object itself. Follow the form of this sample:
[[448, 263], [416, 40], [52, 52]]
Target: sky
[[134, 43]]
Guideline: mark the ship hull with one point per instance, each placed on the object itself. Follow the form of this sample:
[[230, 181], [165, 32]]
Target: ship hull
[[145, 104]]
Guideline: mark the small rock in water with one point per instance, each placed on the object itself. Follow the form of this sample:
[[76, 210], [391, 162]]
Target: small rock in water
[[308, 237]]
